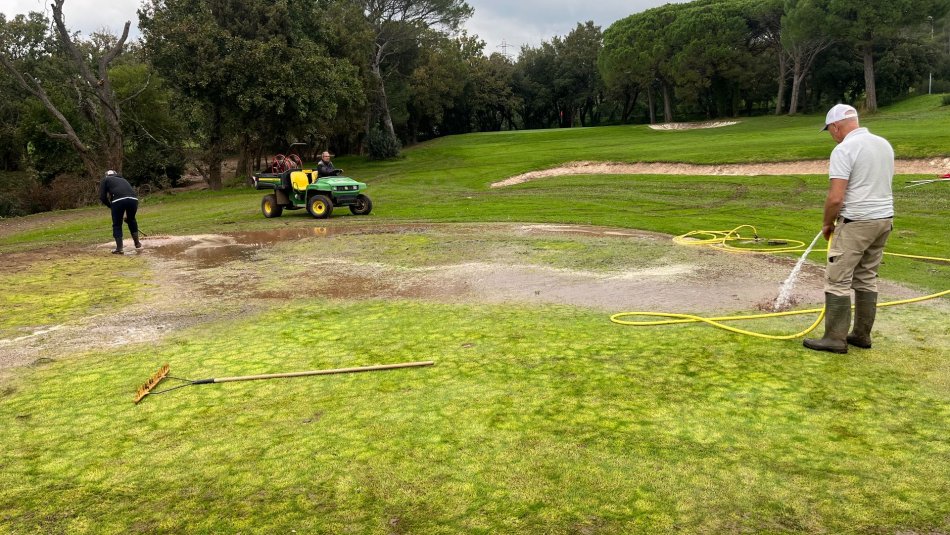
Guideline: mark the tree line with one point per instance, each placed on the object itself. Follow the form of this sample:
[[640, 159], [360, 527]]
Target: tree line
[[216, 78]]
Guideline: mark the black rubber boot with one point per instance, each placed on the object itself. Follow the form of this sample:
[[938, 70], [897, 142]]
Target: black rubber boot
[[135, 238], [118, 247], [837, 323], [865, 308]]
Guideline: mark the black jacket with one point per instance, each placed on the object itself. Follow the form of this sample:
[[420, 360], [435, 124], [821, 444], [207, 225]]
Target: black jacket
[[325, 169], [114, 187]]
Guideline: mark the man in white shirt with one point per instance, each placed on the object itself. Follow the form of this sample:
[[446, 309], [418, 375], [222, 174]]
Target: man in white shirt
[[859, 211]]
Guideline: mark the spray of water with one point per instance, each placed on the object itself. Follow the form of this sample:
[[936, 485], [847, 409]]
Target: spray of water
[[785, 292]]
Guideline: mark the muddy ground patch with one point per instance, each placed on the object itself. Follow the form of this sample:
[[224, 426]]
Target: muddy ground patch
[[205, 278]]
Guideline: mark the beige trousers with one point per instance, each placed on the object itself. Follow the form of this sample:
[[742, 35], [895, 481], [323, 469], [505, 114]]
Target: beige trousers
[[855, 254]]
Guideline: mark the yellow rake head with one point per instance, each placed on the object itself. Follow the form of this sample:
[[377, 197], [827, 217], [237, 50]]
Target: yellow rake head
[[151, 383]]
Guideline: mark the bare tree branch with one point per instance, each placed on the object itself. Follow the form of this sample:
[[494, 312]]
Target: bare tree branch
[[37, 91], [139, 92], [110, 127]]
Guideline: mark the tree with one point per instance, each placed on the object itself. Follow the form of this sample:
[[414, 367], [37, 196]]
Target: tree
[[13, 109], [578, 82], [154, 131], [807, 31], [765, 18], [491, 93], [251, 64], [710, 56], [904, 66], [437, 83], [617, 68], [869, 26], [346, 36], [643, 42], [397, 24], [535, 68], [102, 147]]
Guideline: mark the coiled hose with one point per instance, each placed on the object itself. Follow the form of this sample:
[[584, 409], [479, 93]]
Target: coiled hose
[[720, 239]]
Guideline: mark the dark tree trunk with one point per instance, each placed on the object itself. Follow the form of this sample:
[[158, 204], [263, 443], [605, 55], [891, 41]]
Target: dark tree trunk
[[383, 102], [651, 105], [629, 103], [667, 104], [798, 74], [870, 89], [782, 74], [253, 155], [215, 147]]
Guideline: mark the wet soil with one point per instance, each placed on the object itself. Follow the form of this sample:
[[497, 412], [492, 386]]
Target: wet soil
[[205, 278]]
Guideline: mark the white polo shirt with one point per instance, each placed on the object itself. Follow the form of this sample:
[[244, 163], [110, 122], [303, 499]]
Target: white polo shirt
[[866, 161]]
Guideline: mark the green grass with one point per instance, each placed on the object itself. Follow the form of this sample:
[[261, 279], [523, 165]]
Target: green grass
[[46, 293], [535, 419]]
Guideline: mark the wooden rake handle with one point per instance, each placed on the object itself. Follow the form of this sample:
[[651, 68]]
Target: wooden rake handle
[[315, 372], [156, 378]]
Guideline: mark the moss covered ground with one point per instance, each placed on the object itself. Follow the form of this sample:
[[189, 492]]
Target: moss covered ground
[[535, 419]]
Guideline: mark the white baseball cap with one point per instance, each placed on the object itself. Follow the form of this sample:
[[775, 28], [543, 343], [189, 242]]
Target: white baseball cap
[[110, 172], [839, 112]]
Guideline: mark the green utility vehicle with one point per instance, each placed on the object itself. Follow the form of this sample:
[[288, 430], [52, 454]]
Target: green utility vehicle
[[298, 188]]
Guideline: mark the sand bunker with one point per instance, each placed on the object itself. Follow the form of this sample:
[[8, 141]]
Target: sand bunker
[[921, 166], [692, 126]]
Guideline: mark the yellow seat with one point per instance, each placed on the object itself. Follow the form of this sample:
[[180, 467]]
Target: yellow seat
[[299, 180]]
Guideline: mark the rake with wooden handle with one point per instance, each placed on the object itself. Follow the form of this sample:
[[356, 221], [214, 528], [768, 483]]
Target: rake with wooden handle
[[162, 373]]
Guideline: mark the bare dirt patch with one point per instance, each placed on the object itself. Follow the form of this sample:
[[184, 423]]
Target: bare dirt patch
[[206, 278], [805, 167]]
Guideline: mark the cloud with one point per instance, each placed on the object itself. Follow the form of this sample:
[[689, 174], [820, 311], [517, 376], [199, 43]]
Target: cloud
[[529, 22], [86, 16], [525, 22]]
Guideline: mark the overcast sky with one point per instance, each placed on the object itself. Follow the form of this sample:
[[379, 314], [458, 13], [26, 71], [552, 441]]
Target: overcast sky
[[495, 21]]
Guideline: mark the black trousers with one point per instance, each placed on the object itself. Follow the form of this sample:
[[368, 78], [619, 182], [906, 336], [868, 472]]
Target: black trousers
[[124, 208]]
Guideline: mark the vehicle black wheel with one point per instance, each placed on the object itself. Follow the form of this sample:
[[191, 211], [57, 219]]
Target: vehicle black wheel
[[270, 208], [320, 206], [362, 206]]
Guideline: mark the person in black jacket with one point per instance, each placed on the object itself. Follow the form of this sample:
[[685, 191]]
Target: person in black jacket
[[116, 193], [325, 166]]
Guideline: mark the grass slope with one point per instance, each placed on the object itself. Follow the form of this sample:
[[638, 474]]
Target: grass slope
[[535, 419]]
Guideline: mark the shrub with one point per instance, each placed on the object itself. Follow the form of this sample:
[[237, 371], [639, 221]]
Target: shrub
[[946, 100], [11, 204], [381, 145], [155, 166], [37, 197], [72, 191]]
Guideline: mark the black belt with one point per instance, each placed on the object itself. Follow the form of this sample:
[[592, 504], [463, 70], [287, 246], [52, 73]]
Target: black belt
[[846, 220]]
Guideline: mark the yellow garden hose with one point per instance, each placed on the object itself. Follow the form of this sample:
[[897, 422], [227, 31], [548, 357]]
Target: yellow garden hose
[[720, 239]]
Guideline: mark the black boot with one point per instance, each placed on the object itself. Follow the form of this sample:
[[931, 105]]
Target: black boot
[[865, 308], [837, 322], [118, 246], [135, 238]]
